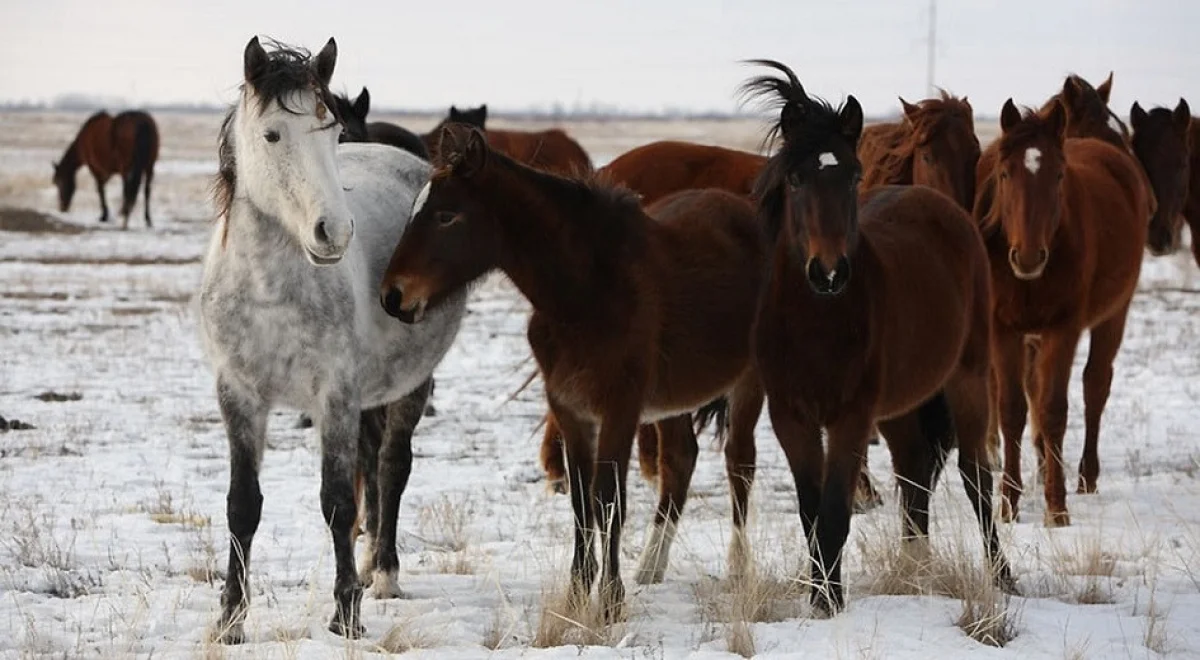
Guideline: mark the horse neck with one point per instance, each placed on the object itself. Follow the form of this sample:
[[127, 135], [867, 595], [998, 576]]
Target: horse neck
[[259, 242], [70, 158], [545, 250]]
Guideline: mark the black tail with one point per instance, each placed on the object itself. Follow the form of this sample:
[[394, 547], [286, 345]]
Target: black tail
[[143, 145], [717, 409]]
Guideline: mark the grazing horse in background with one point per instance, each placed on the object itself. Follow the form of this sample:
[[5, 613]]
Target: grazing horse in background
[[126, 144], [842, 345], [1161, 144], [638, 316], [551, 150], [1065, 222], [289, 314], [354, 118], [935, 145]]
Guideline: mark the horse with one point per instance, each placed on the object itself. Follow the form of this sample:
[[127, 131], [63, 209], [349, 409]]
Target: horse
[[662, 168], [935, 145], [1161, 143], [654, 171], [551, 150], [1087, 111], [126, 144], [354, 117], [288, 315], [638, 316], [840, 345], [1064, 220]]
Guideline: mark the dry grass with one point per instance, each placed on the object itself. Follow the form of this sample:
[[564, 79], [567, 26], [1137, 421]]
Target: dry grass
[[403, 637], [564, 621], [445, 522]]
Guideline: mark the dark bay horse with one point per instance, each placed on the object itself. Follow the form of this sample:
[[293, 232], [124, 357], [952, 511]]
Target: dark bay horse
[[935, 145], [635, 319], [551, 150], [840, 346], [126, 144], [1087, 111], [1065, 220], [357, 129], [1161, 142], [654, 171]]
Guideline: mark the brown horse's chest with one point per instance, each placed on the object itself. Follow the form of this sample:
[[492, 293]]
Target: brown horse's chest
[[1051, 301]]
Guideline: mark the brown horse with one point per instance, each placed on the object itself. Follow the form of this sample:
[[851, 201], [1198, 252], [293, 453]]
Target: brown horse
[[1065, 220], [635, 320], [550, 150], [1161, 143], [1087, 111], [842, 345], [935, 145], [663, 168], [126, 144]]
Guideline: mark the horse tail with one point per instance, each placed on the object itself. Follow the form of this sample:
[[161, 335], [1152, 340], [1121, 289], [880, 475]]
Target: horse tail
[[717, 409], [143, 148]]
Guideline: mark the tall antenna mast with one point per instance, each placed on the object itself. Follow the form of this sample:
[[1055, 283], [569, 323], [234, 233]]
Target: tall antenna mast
[[932, 53]]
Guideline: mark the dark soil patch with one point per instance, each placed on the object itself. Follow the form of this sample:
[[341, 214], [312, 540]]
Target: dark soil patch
[[34, 222], [57, 397]]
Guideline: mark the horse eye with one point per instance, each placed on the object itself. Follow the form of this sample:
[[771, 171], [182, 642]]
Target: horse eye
[[271, 136], [1004, 176], [446, 218]]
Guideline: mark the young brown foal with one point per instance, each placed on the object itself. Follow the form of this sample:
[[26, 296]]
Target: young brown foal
[[634, 319], [876, 311], [1065, 220]]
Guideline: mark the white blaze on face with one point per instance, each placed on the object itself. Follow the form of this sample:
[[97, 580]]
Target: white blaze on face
[[422, 197], [826, 159], [1033, 159]]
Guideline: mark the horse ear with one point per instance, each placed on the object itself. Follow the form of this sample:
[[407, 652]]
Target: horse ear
[[1136, 116], [852, 119], [1009, 116], [254, 60], [1058, 120], [475, 153], [1182, 116], [326, 59], [1071, 92], [362, 104], [1105, 88], [462, 148], [910, 110]]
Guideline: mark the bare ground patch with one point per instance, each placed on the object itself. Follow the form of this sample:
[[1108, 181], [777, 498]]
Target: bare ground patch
[[34, 222]]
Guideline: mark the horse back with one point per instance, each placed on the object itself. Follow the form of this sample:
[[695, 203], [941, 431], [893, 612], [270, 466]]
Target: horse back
[[1191, 207], [397, 136], [134, 140], [551, 150], [661, 168]]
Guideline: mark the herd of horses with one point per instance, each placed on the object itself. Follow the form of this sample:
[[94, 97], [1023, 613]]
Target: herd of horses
[[895, 278]]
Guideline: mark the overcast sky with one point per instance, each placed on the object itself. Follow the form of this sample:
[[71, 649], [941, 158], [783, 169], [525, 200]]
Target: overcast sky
[[637, 54]]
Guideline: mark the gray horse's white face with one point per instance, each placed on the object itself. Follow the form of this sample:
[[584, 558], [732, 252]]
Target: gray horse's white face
[[288, 169]]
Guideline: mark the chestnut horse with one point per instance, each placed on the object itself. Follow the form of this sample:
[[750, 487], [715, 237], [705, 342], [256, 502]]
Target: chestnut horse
[[126, 144], [1065, 220], [935, 145], [634, 320], [842, 344], [550, 150], [1087, 111], [1161, 144]]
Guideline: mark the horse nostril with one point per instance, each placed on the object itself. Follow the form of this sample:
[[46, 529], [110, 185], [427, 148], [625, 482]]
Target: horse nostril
[[1043, 255], [391, 301], [1012, 256], [320, 233]]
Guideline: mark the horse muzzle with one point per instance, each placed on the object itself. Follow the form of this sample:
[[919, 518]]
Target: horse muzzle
[[827, 281], [393, 301], [1027, 267]]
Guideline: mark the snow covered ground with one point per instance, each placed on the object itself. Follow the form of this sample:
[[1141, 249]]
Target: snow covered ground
[[112, 532]]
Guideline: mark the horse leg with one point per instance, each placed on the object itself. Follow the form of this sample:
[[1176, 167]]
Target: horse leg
[[677, 461], [245, 419], [1053, 373], [1104, 343], [741, 455], [149, 178], [1032, 383], [1008, 362], [969, 401], [800, 439], [395, 466], [578, 440], [649, 456], [919, 441], [552, 455], [613, 447], [129, 190], [339, 421], [843, 462], [103, 200], [1192, 216], [370, 439]]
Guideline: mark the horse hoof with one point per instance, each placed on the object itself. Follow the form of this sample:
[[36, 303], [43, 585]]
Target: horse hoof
[[557, 486], [430, 411], [1057, 519], [1007, 583], [230, 634], [1009, 512], [349, 631], [612, 600], [385, 586], [1086, 488]]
